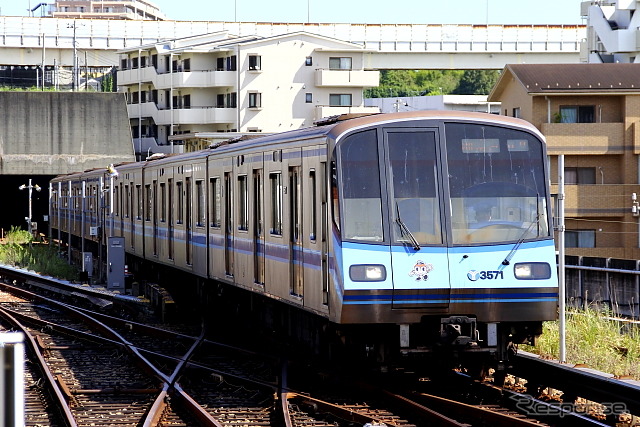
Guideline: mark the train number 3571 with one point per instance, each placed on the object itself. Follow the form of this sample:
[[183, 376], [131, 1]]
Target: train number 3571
[[474, 275]]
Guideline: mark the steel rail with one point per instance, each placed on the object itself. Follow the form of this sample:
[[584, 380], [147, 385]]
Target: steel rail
[[578, 380], [147, 366], [51, 382]]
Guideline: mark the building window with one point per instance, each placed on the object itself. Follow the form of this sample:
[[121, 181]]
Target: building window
[[516, 112], [231, 63], [308, 61], [308, 98], [577, 114], [186, 64], [580, 238], [579, 175], [232, 100], [123, 63], [255, 62], [340, 100], [340, 63], [275, 183], [255, 100]]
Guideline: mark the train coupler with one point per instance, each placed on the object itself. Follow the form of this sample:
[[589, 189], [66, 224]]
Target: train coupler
[[458, 330]]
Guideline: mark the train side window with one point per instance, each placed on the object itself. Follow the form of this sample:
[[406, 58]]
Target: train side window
[[116, 199], [148, 202], [200, 203], [335, 199], [180, 203], [126, 202], [314, 207], [243, 204], [216, 200], [163, 202], [275, 183], [139, 198]]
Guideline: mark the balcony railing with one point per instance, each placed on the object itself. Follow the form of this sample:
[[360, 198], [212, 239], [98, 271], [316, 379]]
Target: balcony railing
[[584, 138], [597, 200], [191, 115], [347, 78], [178, 79], [323, 111]]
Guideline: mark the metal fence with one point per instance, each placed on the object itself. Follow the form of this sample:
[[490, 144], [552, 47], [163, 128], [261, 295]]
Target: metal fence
[[606, 283]]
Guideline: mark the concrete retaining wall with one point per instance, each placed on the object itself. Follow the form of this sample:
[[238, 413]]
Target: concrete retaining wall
[[51, 133]]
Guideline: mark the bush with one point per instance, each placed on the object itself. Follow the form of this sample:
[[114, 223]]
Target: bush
[[18, 236]]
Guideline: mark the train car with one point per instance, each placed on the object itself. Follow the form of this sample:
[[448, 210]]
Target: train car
[[405, 232]]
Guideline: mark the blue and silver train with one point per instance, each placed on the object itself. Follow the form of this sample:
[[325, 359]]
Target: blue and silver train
[[401, 232]]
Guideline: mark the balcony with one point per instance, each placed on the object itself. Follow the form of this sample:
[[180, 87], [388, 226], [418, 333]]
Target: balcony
[[193, 115], [323, 111], [584, 138], [187, 79], [596, 200], [177, 80], [347, 78], [150, 145]]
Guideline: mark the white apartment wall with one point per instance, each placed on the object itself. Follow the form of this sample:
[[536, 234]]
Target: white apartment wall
[[284, 80]]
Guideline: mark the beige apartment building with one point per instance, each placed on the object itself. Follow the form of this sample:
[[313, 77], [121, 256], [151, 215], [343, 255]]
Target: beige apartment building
[[188, 93], [590, 113], [107, 9]]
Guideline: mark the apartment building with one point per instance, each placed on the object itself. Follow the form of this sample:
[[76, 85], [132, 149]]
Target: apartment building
[[187, 93], [107, 9], [590, 113], [612, 31]]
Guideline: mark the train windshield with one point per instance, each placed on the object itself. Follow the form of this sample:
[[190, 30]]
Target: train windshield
[[361, 191], [497, 185], [414, 183]]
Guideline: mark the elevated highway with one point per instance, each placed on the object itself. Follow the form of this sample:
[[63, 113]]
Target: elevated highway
[[25, 41]]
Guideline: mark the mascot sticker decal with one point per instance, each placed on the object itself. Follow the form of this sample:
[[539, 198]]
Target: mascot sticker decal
[[421, 270]]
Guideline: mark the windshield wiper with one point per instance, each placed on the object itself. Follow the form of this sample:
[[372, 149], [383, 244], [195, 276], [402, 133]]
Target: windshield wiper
[[405, 230], [507, 259]]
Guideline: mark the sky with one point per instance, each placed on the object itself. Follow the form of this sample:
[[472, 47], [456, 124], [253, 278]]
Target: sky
[[520, 12]]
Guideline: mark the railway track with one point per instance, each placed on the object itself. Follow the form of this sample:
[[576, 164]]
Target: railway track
[[103, 370]]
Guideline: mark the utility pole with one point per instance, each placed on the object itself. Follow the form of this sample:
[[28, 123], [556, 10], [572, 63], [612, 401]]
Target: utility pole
[[561, 263]]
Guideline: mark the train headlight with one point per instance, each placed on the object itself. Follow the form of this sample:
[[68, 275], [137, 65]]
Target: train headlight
[[532, 270], [368, 273]]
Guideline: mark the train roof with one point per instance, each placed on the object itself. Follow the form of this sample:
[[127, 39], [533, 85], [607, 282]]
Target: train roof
[[333, 127]]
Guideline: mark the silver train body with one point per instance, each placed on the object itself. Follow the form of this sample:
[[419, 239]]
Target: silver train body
[[424, 221]]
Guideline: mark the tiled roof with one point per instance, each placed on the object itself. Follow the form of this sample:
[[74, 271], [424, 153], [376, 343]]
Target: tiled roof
[[544, 78]]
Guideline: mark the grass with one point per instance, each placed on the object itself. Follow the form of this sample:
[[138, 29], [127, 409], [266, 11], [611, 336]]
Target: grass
[[594, 339], [15, 251]]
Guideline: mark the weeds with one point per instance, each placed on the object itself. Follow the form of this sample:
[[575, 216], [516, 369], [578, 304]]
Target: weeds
[[595, 339], [41, 259]]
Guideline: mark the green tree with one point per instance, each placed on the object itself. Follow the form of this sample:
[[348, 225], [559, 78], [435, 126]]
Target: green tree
[[477, 82]]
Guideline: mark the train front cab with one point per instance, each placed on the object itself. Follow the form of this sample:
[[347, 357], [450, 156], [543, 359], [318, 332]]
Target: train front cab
[[413, 245]]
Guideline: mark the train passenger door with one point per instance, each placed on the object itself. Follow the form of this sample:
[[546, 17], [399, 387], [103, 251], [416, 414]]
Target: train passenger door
[[295, 227], [418, 252]]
